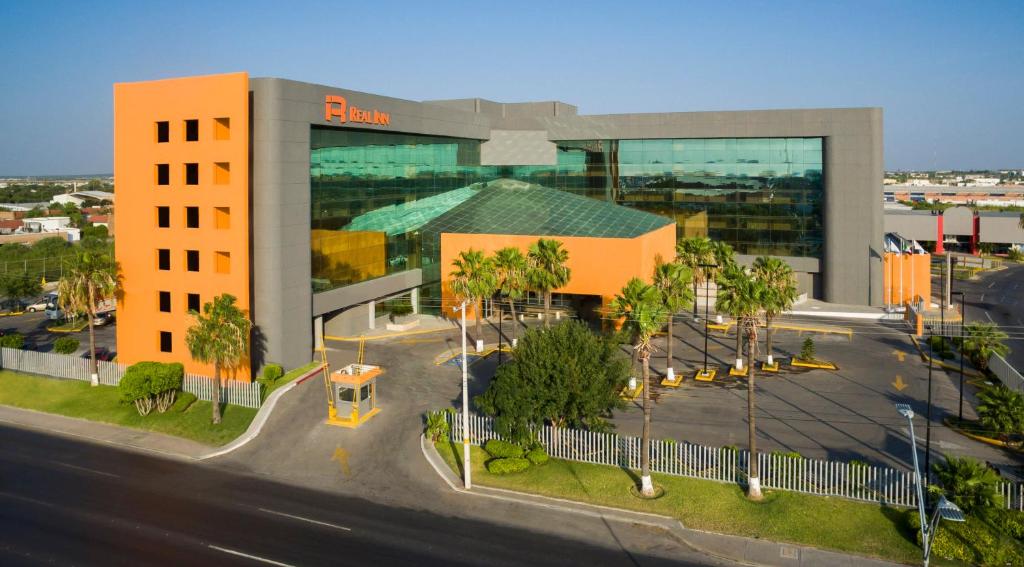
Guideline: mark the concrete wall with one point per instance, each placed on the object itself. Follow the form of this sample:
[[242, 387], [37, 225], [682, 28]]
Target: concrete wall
[[916, 225], [1001, 228], [958, 221]]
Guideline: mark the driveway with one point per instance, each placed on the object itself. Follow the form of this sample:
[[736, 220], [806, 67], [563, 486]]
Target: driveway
[[33, 326]]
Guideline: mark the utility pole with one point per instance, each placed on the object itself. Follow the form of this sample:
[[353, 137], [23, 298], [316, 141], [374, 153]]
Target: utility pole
[[465, 401]]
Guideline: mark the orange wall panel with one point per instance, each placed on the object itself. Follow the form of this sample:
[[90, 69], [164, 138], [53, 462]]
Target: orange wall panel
[[907, 277], [599, 266], [137, 109]]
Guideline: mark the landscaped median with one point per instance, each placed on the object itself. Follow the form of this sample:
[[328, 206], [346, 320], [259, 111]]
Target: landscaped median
[[827, 523]]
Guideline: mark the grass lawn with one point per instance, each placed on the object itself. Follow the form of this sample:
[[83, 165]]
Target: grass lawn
[[78, 399], [288, 377], [829, 523]]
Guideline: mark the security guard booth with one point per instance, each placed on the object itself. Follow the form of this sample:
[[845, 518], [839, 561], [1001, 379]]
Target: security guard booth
[[353, 395]]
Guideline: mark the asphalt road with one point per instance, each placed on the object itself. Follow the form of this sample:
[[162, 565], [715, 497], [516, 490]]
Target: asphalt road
[[33, 326], [998, 297], [66, 502]]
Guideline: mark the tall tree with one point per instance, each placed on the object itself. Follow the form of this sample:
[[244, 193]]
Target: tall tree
[[547, 270], [723, 254], [726, 278], [780, 292], [89, 279], [510, 267], [219, 336], [695, 252], [742, 295], [672, 280], [473, 279], [643, 314]]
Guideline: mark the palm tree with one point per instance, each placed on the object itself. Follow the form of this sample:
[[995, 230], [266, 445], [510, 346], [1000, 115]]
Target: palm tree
[[644, 312], [1001, 410], [983, 340], [743, 297], [672, 282], [780, 293], [473, 279], [219, 336], [726, 277], [546, 270], [970, 484], [694, 252], [510, 268], [723, 254], [90, 279]]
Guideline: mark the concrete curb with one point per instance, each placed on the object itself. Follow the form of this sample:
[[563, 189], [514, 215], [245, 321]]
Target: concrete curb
[[744, 550], [839, 314], [261, 418]]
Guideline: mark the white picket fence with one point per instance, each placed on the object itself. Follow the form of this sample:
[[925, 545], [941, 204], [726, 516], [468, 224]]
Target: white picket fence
[[76, 368], [853, 481], [1007, 374]]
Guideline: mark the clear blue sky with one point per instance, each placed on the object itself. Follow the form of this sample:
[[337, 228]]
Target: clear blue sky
[[950, 75]]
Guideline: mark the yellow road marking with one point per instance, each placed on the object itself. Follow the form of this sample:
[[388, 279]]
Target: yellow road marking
[[899, 384], [900, 355], [341, 456]]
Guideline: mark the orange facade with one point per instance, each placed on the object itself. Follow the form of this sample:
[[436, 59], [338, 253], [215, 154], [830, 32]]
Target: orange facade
[[181, 163], [599, 266], [907, 278]]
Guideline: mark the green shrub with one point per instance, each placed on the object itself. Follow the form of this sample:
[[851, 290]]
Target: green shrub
[[787, 454], [509, 465], [12, 340], [807, 350], [136, 388], [974, 542], [65, 345], [437, 425], [1015, 255], [271, 374], [503, 449], [184, 401], [1001, 410], [537, 456], [970, 484]]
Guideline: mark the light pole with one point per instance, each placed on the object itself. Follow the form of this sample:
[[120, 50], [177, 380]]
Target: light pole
[[963, 322], [707, 305], [944, 509], [465, 401], [928, 415]]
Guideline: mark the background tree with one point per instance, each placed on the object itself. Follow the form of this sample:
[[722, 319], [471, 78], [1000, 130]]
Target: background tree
[[89, 279], [672, 281], [546, 270], [644, 313], [693, 252], [982, 341], [510, 268], [779, 293], [564, 375], [473, 279], [219, 336], [18, 285], [743, 297], [723, 254]]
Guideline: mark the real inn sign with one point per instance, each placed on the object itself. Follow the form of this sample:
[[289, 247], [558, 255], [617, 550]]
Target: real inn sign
[[335, 105]]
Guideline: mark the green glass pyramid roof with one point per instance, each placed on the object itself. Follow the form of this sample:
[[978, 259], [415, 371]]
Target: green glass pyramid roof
[[508, 206]]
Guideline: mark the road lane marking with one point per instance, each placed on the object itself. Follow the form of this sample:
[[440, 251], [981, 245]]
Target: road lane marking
[[899, 384], [341, 456], [247, 556], [991, 284], [989, 317], [86, 469], [900, 355], [302, 519]]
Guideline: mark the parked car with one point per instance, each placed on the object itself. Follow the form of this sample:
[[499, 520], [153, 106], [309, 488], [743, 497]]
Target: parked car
[[37, 305], [102, 319], [102, 353]]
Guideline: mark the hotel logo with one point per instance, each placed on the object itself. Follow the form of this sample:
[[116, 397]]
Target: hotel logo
[[335, 105]]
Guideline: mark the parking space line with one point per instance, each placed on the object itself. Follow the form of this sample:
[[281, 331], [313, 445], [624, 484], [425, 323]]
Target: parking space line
[[247, 556], [303, 519]]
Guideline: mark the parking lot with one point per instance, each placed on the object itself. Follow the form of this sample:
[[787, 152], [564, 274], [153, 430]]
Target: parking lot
[[33, 326]]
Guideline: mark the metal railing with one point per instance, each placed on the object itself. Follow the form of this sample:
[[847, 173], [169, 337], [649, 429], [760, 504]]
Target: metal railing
[[68, 367], [1007, 374], [850, 480]]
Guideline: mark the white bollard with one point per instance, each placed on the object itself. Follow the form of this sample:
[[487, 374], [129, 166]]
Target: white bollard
[[739, 364], [515, 342], [479, 345], [718, 319], [671, 374], [632, 383], [771, 361]]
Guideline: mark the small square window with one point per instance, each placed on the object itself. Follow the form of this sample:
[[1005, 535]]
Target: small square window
[[221, 173], [165, 301], [192, 260], [192, 130], [191, 174], [163, 217], [165, 341], [163, 132], [163, 174], [192, 217], [222, 217], [193, 302], [163, 259], [221, 128], [222, 263]]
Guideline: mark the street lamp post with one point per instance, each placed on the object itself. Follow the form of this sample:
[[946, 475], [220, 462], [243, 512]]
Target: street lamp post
[[928, 415], [944, 509], [707, 305], [465, 401], [963, 322]]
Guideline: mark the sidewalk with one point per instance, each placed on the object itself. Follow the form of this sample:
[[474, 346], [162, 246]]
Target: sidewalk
[[734, 548]]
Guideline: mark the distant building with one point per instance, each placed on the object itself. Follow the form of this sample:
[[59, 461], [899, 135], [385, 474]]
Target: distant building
[[998, 196], [46, 224], [80, 198], [10, 226]]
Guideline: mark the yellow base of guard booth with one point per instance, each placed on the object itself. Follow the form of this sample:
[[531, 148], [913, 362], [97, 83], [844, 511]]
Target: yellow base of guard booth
[[354, 395]]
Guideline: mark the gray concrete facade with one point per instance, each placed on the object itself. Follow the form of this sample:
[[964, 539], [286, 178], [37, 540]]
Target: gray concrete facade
[[283, 112]]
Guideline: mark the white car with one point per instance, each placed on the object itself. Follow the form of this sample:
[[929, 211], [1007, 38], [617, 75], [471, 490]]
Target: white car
[[37, 305]]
